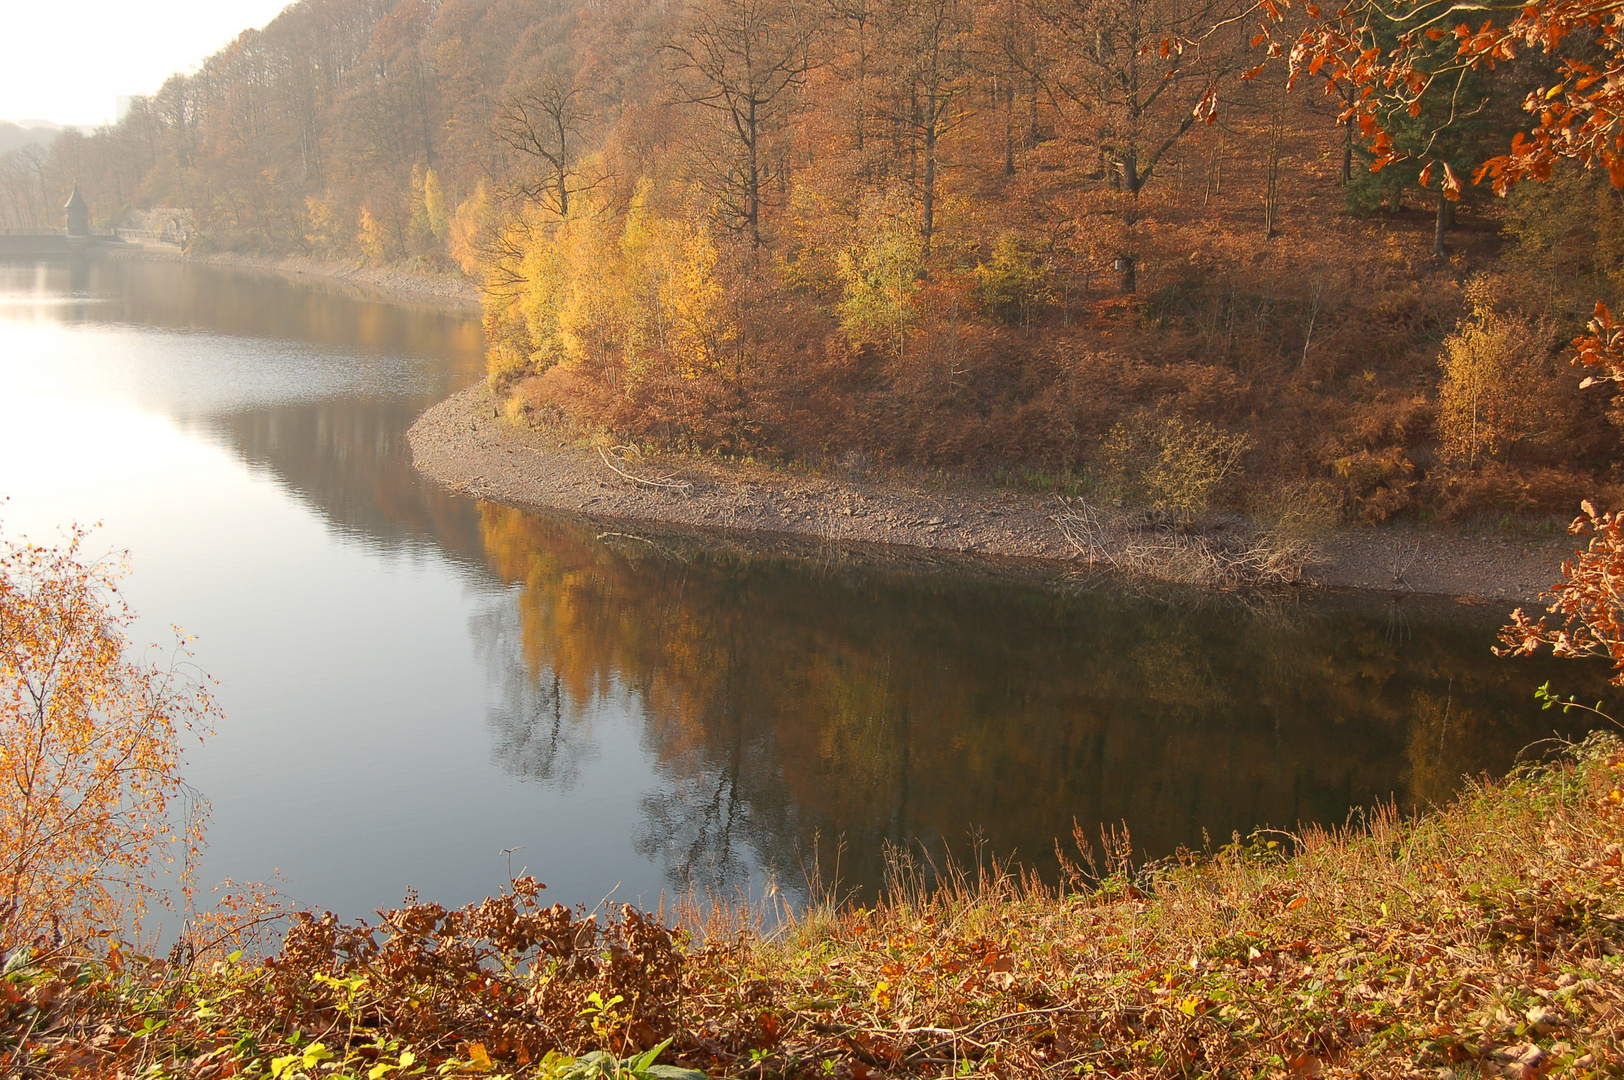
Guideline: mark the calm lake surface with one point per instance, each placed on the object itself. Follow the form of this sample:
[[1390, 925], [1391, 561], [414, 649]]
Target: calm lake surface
[[414, 681]]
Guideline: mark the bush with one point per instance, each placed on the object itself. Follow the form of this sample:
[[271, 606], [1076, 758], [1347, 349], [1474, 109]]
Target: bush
[[1013, 281], [1171, 466], [1378, 484]]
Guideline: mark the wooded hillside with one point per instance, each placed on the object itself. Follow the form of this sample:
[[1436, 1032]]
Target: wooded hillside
[[1060, 242]]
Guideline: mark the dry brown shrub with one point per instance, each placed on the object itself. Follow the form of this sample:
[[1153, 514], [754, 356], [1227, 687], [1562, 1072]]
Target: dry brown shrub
[[1392, 420], [1498, 488], [1131, 545]]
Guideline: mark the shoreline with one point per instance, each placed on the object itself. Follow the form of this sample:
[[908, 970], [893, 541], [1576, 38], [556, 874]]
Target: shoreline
[[450, 291], [462, 445]]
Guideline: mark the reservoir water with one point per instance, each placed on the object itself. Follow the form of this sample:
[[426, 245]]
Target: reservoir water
[[415, 682]]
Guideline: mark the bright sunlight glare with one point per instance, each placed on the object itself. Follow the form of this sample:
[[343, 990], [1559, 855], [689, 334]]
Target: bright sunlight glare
[[69, 63]]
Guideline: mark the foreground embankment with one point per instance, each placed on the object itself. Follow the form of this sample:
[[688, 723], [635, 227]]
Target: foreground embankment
[[464, 444], [1485, 939]]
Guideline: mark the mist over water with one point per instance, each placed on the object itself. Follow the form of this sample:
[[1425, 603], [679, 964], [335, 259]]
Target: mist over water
[[414, 681]]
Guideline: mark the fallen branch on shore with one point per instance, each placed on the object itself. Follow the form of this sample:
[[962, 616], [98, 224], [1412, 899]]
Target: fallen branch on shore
[[1168, 552], [667, 483]]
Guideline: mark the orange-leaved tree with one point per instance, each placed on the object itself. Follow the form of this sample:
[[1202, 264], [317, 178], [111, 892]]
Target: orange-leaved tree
[[92, 805], [1397, 53], [1588, 602]]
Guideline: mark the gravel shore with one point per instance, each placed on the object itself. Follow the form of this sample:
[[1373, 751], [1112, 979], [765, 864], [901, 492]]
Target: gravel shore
[[463, 445]]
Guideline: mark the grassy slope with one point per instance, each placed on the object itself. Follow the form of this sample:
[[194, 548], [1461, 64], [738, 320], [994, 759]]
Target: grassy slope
[[1486, 938]]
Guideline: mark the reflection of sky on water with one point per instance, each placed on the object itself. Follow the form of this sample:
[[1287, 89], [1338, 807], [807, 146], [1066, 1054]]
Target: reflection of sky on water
[[184, 373], [414, 683], [264, 490]]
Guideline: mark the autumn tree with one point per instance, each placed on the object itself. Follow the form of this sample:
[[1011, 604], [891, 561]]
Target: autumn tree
[[1567, 242], [741, 61], [1490, 397], [1575, 117], [1012, 57], [1134, 77], [544, 122], [91, 801], [618, 298], [858, 25], [880, 274], [926, 99]]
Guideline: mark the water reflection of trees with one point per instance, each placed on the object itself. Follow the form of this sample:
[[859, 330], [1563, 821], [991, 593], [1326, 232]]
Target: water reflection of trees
[[531, 734], [883, 707], [183, 296], [349, 460], [346, 454]]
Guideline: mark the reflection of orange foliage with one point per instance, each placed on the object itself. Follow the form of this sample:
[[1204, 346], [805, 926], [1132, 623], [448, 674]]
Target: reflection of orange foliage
[[881, 707], [89, 750]]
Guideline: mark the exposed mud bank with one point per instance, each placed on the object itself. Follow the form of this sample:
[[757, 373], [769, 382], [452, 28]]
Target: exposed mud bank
[[464, 445]]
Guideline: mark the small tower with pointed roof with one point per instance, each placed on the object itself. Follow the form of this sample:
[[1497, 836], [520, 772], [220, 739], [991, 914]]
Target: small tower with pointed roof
[[78, 213]]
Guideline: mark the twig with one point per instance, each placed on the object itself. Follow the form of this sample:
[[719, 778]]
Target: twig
[[1402, 564]]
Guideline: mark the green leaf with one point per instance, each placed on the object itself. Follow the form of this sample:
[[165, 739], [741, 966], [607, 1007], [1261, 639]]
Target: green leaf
[[643, 1061]]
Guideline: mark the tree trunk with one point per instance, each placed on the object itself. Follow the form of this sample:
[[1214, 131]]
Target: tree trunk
[[1271, 193], [1440, 225], [929, 186], [1009, 129], [752, 205], [1127, 263], [563, 164]]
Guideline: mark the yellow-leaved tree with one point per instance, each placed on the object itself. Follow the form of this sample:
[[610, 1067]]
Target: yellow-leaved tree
[[1494, 388], [469, 230], [616, 296], [434, 205], [880, 270], [92, 805], [370, 238]]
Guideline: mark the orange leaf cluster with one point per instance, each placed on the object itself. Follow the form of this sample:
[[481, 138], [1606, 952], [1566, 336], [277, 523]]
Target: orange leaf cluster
[[1395, 54], [1589, 600]]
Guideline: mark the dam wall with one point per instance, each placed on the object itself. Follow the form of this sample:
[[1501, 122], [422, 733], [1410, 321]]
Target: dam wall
[[51, 245]]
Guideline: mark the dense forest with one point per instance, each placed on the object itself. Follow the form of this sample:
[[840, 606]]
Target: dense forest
[[1097, 245]]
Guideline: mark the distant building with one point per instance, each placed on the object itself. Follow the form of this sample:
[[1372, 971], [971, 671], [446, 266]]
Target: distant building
[[78, 213]]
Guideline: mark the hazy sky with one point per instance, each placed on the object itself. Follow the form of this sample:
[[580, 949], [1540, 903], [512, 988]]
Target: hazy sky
[[67, 61]]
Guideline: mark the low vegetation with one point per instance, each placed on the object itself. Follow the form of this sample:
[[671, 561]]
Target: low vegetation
[[1486, 938]]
